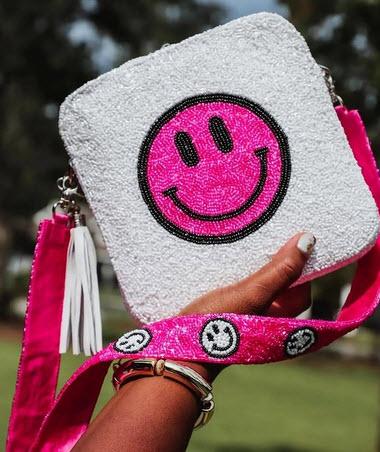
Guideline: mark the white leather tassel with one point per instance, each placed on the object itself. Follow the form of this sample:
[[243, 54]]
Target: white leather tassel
[[81, 319]]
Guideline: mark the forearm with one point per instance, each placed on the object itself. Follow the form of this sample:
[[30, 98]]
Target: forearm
[[147, 414]]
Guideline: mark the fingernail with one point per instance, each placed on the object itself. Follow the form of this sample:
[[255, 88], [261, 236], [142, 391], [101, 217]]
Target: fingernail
[[306, 243]]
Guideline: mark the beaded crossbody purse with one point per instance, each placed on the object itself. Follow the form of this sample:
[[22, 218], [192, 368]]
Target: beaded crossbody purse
[[201, 159], [198, 162]]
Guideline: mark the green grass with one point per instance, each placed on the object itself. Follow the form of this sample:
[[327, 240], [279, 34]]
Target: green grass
[[305, 405]]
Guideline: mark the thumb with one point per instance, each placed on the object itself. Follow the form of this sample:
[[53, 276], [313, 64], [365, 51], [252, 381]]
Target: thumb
[[255, 293]]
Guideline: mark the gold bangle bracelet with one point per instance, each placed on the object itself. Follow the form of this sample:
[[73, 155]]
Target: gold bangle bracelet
[[150, 367]]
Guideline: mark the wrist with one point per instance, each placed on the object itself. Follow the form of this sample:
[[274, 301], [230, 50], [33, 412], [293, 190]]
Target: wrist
[[206, 370], [186, 375]]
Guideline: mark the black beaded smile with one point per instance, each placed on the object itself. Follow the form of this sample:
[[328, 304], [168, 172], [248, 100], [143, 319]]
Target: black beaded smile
[[190, 158], [172, 194], [223, 349]]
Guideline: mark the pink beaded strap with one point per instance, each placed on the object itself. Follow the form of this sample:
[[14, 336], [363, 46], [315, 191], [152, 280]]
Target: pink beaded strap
[[223, 338], [227, 338], [39, 360]]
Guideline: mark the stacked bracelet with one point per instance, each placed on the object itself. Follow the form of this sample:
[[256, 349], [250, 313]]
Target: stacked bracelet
[[149, 367]]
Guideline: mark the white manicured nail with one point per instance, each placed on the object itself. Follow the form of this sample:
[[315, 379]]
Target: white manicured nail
[[306, 243]]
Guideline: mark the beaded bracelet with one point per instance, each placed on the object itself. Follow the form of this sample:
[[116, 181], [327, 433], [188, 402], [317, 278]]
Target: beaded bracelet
[[150, 367]]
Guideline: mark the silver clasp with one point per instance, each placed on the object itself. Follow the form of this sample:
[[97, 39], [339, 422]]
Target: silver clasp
[[70, 190], [335, 99]]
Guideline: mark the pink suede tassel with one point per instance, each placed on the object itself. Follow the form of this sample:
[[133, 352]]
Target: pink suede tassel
[[40, 359]]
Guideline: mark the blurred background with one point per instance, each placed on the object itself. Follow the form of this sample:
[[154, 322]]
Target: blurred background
[[327, 401]]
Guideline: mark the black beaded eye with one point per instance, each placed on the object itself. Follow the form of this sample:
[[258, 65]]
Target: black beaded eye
[[186, 148], [220, 134]]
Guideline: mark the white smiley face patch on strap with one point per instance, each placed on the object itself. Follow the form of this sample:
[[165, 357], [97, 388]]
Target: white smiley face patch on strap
[[219, 338], [133, 341]]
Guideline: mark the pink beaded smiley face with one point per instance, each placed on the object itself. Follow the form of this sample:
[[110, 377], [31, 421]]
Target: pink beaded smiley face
[[214, 168]]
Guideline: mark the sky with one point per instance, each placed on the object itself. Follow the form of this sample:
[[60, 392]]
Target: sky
[[238, 8], [105, 51]]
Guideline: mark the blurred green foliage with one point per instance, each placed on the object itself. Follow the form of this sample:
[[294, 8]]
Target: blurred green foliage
[[344, 35]]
